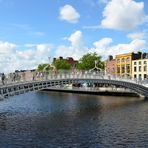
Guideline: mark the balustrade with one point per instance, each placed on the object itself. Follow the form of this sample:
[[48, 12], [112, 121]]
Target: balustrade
[[63, 74]]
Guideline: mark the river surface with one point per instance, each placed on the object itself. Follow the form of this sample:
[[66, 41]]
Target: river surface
[[51, 119]]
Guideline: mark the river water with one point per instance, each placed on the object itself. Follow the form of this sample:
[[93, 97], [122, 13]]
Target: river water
[[52, 119]]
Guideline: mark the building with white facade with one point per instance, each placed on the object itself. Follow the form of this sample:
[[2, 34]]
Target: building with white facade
[[140, 69]]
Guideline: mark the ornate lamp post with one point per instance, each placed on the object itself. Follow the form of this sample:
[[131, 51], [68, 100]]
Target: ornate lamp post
[[53, 67], [97, 68], [96, 62]]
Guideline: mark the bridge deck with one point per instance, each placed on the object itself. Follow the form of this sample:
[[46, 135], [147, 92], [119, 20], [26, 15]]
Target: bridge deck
[[15, 88]]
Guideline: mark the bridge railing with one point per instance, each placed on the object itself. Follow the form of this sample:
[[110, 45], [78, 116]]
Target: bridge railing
[[66, 75]]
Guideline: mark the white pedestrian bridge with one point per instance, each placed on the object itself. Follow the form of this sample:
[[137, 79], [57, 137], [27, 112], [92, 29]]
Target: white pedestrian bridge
[[59, 80]]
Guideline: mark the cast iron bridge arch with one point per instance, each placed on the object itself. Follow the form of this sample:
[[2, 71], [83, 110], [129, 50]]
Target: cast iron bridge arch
[[35, 85]]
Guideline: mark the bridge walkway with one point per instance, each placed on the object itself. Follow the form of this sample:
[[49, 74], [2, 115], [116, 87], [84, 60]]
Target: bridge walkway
[[15, 88]]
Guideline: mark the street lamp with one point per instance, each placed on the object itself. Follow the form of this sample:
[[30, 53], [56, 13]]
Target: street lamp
[[96, 61], [51, 65], [49, 58]]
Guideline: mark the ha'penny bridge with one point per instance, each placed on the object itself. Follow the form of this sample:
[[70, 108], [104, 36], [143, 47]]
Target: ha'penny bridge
[[81, 81]]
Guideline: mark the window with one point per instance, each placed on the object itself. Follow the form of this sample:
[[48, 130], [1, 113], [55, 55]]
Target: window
[[123, 69], [118, 60], [122, 59], [135, 63], [128, 68], [145, 76], [139, 62], [135, 69], [128, 59], [135, 76], [144, 62], [118, 69], [144, 68], [139, 68]]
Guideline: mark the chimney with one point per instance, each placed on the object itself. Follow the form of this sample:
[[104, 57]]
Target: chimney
[[143, 55], [54, 59], [61, 58], [110, 57]]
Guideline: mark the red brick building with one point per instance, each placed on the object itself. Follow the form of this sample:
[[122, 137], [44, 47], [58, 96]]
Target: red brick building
[[69, 60], [110, 65]]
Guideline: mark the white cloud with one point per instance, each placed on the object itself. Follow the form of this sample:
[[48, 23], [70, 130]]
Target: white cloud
[[104, 48], [136, 35], [76, 39], [43, 49], [76, 48], [12, 59], [69, 14], [6, 47], [123, 15], [70, 51], [103, 43]]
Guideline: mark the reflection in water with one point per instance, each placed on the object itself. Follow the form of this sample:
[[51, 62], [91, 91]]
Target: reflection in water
[[53, 119], [3, 121]]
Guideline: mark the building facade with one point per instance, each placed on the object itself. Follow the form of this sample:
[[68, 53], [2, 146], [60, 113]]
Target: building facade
[[110, 65], [124, 64], [140, 69], [26, 74], [71, 61]]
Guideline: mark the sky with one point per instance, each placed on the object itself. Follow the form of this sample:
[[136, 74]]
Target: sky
[[35, 31]]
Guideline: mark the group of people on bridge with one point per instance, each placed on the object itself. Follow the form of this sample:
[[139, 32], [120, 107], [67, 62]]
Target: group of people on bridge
[[53, 74], [11, 77]]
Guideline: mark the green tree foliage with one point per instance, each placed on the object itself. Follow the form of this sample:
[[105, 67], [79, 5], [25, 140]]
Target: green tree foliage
[[42, 67], [87, 62], [61, 64]]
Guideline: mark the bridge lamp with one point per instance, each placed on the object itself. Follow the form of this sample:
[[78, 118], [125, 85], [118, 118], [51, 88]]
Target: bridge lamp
[[96, 62], [49, 58]]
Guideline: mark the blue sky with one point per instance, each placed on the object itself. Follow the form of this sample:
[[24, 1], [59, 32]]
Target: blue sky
[[33, 30]]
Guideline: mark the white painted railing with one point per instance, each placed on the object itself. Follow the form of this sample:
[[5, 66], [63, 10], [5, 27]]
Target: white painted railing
[[71, 75]]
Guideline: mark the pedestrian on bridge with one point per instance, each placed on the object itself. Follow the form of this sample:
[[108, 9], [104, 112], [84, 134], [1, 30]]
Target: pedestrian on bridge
[[34, 75], [13, 77], [3, 78]]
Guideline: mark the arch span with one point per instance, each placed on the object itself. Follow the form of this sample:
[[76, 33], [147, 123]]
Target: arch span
[[20, 88]]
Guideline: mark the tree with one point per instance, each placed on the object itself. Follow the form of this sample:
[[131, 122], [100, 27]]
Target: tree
[[61, 64], [42, 67], [87, 62]]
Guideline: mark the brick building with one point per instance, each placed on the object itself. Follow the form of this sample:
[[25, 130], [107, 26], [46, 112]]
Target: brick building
[[69, 60], [110, 65]]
